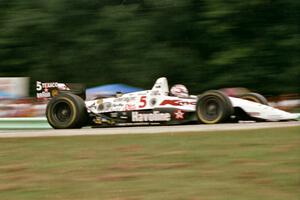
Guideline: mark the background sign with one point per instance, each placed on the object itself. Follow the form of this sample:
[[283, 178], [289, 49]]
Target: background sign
[[14, 87]]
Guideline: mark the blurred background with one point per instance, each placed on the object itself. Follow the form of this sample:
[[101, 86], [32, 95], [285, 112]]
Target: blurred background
[[204, 44]]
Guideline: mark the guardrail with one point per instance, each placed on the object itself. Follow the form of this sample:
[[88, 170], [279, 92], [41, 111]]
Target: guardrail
[[24, 123]]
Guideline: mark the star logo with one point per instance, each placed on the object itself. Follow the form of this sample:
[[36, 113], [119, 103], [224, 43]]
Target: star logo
[[179, 114]]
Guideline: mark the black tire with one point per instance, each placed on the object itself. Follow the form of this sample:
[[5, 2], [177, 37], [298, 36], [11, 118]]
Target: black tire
[[255, 97], [66, 111], [213, 107]]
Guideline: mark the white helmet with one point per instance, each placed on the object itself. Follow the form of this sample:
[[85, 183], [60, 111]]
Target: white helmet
[[179, 90]]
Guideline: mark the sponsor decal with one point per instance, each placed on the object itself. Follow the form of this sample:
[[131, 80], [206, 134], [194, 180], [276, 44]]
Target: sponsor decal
[[177, 103], [124, 99], [153, 102], [117, 105], [107, 105], [114, 115], [46, 86], [155, 93], [155, 116], [92, 106], [43, 95], [104, 106], [54, 92], [179, 114], [130, 107], [50, 85]]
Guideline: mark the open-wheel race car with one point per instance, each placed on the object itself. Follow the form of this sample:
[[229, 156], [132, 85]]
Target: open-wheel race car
[[158, 106]]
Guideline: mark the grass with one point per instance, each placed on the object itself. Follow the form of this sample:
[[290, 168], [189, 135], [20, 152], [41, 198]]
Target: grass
[[237, 165]]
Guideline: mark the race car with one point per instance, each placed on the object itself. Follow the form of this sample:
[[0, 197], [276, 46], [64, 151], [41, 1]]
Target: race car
[[158, 106]]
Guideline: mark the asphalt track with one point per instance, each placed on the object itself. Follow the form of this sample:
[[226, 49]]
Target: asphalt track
[[145, 129]]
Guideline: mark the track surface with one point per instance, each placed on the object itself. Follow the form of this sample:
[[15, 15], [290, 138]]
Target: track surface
[[144, 129]]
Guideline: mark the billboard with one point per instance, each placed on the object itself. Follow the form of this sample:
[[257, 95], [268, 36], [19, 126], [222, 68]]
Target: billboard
[[14, 87]]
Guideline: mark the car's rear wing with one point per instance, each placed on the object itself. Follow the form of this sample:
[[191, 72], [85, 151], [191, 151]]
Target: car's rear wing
[[52, 89]]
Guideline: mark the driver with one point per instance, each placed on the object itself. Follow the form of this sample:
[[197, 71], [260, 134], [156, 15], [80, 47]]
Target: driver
[[179, 90]]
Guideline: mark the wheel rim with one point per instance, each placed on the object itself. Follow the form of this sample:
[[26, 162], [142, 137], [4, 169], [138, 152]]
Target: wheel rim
[[62, 111], [210, 109]]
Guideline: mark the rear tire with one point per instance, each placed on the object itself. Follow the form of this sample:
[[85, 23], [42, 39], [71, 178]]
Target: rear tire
[[66, 111], [75, 88], [255, 97], [213, 107]]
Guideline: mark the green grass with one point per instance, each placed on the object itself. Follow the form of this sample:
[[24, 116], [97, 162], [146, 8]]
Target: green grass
[[237, 165]]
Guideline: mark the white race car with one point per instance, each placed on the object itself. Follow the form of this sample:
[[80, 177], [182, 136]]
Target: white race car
[[153, 107]]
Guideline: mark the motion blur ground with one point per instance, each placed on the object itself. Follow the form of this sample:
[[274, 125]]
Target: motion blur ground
[[47, 132], [253, 164]]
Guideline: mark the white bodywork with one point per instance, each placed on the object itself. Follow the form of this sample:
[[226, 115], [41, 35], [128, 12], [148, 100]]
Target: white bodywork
[[261, 111], [158, 98]]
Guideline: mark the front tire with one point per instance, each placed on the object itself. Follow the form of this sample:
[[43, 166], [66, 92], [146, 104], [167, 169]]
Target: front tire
[[66, 111], [213, 107]]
